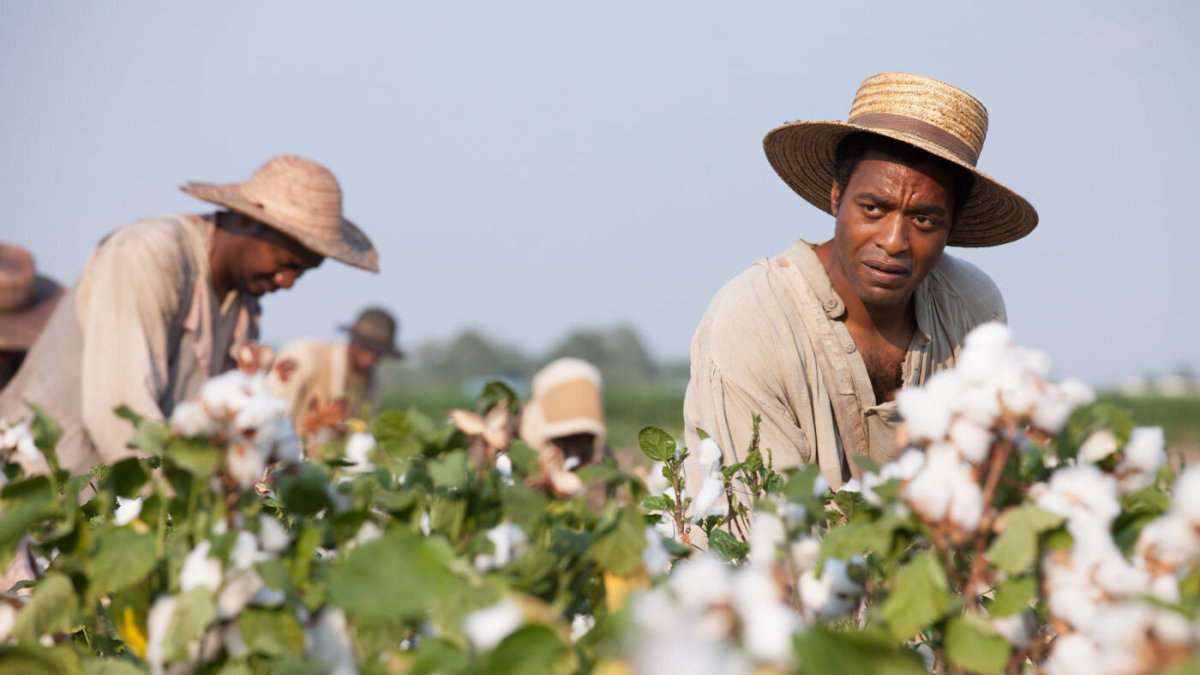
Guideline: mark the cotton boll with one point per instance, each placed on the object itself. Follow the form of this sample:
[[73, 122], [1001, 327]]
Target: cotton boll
[[1076, 393], [1016, 628], [1166, 589], [930, 492], [701, 581], [966, 504], [767, 534], [820, 485], [258, 416], [284, 446], [329, 642], [1036, 363], [1074, 654], [972, 440], [488, 627], [1081, 491], [710, 500], [358, 451], [982, 350], [367, 532], [852, 485], [1018, 393], [767, 624], [1144, 451], [656, 482], [190, 419], [981, 405], [655, 557], [504, 465], [157, 622], [245, 463], [708, 456], [1171, 541], [1098, 445], [272, 534], [947, 387], [581, 625], [834, 594], [926, 417], [508, 543], [200, 570], [238, 591], [245, 551], [1186, 494], [225, 394], [1050, 412], [908, 465], [127, 510], [794, 515]]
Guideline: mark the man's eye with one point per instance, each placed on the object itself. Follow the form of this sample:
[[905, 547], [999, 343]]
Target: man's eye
[[870, 208]]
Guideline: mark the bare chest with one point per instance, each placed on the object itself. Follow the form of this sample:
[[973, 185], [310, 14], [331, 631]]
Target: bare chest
[[884, 360]]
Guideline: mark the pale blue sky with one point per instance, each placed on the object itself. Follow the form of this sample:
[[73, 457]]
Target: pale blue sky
[[526, 168]]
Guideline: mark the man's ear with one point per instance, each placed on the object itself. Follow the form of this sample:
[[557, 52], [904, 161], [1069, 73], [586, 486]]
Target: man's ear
[[835, 195]]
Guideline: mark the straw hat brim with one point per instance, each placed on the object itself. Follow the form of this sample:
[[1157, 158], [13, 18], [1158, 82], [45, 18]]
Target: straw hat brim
[[19, 329], [353, 247], [802, 153]]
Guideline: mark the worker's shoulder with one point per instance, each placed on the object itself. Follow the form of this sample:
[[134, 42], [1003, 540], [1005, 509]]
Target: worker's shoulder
[[956, 280], [163, 237]]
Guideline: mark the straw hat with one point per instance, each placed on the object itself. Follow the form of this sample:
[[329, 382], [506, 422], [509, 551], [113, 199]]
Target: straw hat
[[931, 115], [26, 299], [301, 199], [376, 329], [566, 401]]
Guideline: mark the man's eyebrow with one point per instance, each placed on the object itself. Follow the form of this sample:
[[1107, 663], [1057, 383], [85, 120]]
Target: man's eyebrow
[[872, 198], [927, 209]]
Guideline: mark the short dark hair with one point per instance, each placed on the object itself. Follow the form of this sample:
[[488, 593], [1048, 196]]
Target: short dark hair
[[852, 148]]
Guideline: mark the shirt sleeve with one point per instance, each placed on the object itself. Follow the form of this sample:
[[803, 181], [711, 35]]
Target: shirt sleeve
[[295, 387], [737, 372], [128, 296]]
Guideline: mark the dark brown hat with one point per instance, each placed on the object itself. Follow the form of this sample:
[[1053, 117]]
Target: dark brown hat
[[26, 299], [376, 328]]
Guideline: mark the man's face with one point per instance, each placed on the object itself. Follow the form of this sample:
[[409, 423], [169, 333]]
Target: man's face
[[268, 260], [362, 358], [892, 222]]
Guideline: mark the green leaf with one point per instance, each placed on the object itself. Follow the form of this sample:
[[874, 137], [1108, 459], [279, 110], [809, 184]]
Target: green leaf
[[846, 541], [127, 476], [658, 503], [1013, 596], [619, 549], [121, 557], [15, 523], [450, 471], [60, 660], [270, 632], [436, 655], [524, 505], [656, 444], [396, 435], [727, 546], [114, 666], [826, 652], [524, 459], [532, 649], [494, 393], [46, 433], [369, 584], [305, 493], [197, 456], [194, 610], [51, 610], [1016, 548], [919, 594], [974, 645]]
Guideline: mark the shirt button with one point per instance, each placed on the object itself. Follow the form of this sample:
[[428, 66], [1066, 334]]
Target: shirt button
[[851, 348], [831, 303]]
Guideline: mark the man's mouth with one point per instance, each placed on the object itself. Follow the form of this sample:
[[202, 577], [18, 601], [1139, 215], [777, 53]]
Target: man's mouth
[[886, 273]]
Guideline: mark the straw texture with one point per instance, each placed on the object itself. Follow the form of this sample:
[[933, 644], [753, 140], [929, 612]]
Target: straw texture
[[301, 199], [26, 298], [934, 116]]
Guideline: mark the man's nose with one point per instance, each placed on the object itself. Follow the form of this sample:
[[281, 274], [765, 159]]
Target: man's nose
[[285, 278], [893, 235]]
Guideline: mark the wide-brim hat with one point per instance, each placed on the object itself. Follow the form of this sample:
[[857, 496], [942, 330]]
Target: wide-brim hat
[[303, 200], [376, 329], [27, 299], [942, 120], [566, 400]]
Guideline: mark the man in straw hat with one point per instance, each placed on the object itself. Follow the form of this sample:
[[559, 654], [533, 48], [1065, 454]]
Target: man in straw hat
[[162, 302], [817, 339], [315, 373], [26, 301]]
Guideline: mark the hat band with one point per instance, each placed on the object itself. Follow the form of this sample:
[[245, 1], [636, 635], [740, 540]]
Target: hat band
[[915, 127], [574, 399]]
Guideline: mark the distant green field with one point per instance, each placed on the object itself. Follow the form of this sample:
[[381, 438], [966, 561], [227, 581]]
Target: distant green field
[[629, 410]]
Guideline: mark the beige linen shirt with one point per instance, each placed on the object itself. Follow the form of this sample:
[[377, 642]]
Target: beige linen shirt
[[142, 327], [773, 341], [320, 374]]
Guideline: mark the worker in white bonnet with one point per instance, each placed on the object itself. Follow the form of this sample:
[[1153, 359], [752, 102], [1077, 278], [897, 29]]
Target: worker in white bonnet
[[566, 412]]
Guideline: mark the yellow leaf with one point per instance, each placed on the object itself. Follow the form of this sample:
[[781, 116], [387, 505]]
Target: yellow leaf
[[135, 639], [617, 587]]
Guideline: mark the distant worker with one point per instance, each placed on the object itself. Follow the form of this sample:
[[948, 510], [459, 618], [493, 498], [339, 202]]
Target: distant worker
[[26, 301], [163, 301], [324, 371], [566, 412]]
